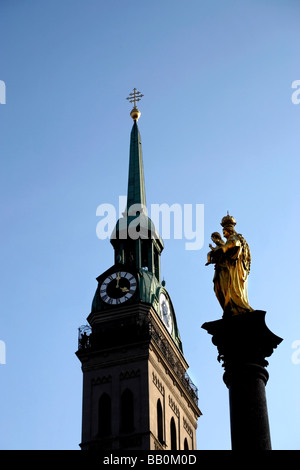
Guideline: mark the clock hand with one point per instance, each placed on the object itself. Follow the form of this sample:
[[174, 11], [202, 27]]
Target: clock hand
[[118, 278], [124, 289]]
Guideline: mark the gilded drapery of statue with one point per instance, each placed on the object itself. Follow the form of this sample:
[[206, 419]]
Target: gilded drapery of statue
[[232, 261]]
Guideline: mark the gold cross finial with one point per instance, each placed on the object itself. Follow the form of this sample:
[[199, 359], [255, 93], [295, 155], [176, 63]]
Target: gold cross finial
[[133, 98]]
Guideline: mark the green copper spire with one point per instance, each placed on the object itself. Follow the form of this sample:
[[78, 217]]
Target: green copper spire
[[135, 239], [136, 184]]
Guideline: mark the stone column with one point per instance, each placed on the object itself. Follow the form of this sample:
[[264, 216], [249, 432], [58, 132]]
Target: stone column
[[243, 342]]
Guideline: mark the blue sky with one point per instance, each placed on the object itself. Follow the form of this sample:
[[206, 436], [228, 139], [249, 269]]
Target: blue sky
[[218, 128]]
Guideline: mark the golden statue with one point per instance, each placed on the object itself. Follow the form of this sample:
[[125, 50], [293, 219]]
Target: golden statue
[[232, 261]]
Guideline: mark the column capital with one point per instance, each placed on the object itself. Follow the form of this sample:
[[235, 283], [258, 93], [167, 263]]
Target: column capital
[[243, 339]]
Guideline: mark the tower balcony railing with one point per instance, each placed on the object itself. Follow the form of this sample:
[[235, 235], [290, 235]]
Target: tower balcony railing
[[84, 337]]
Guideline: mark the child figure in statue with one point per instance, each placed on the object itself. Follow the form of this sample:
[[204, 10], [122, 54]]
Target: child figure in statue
[[218, 241]]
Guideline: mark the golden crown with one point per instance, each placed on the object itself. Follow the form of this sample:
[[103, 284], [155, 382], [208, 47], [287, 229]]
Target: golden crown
[[228, 221]]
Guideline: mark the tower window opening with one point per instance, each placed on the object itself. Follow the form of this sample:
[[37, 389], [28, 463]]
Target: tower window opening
[[145, 255], [130, 253], [160, 434], [173, 435], [156, 264], [127, 412], [104, 415]]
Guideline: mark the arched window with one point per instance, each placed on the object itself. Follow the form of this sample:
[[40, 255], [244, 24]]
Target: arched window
[[185, 445], [160, 432], [173, 435], [104, 415], [127, 412], [156, 264]]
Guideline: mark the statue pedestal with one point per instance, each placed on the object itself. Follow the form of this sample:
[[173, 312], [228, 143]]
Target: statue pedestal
[[243, 342]]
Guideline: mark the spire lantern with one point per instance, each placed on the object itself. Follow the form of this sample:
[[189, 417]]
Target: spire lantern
[[133, 98]]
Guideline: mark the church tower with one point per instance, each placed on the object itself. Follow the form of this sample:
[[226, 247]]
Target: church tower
[[137, 394]]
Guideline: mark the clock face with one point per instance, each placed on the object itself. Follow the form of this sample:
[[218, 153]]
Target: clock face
[[118, 287], [165, 310]]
